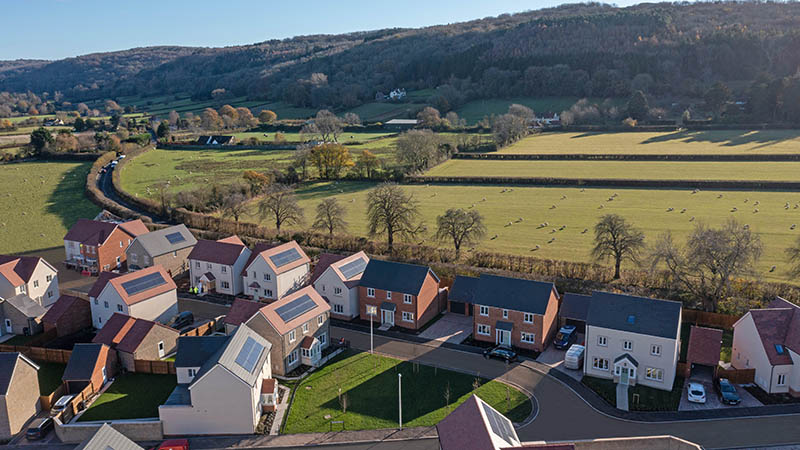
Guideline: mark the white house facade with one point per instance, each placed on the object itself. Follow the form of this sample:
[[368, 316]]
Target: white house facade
[[275, 272], [145, 294], [218, 265], [29, 275], [338, 285]]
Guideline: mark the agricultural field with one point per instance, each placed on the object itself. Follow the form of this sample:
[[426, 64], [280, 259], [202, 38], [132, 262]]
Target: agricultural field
[[771, 171], [712, 142], [476, 110], [577, 210], [39, 202], [294, 137]]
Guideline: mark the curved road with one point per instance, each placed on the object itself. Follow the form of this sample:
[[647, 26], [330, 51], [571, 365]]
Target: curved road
[[107, 188], [563, 415]]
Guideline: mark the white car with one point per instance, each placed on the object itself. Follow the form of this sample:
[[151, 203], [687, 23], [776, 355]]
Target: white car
[[697, 393]]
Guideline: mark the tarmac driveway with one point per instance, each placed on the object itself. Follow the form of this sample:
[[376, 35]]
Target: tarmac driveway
[[451, 328], [554, 358]]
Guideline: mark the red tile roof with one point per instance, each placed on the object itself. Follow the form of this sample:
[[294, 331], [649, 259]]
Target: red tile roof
[[61, 306], [101, 282], [241, 311], [773, 326], [307, 342], [793, 334], [18, 269], [257, 251], [282, 327], [219, 252], [126, 333], [268, 386], [324, 261], [705, 345], [95, 232], [147, 293]]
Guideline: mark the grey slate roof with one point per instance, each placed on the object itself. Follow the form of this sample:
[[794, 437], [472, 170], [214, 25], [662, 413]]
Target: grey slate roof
[[155, 243], [628, 357], [26, 306], [395, 276], [388, 306], [464, 289], [575, 306], [82, 362], [8, 362], [506, 326], [514, 293], [226, 356], [648, 316], [194, 351], [179, 396], [107, 438]]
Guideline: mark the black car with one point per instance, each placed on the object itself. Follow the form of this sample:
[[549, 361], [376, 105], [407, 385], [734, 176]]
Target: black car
[[39, 428], [502, 353], [727, 392], [182, 320], [566, 336]]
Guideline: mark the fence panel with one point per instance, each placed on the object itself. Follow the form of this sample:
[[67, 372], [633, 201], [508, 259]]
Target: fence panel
[[737, 376], [709, 319], [154, 367]]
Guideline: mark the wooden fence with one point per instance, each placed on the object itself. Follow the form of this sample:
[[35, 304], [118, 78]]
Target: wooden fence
[[202, 330], [154, 367], [42, 354], [709, 319], [737, 376], [48, 400]]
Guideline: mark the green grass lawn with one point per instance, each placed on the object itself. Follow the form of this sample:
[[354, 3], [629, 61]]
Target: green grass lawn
[[50, 377], [131, 396], [771, 171], [649, 399], [372, 395], [475, 110], [294, 137], [677, 143], [39, 201]]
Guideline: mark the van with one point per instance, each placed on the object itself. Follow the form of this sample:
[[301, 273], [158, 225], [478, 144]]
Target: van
[[573, 359]]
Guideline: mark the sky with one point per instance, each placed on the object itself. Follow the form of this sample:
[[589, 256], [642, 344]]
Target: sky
[[55, 29]]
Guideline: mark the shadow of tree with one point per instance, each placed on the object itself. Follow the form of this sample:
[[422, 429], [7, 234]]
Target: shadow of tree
[[323, 190], [68, 200], [728, 138]]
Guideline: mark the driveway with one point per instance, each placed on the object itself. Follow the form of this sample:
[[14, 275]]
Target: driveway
[[451, 328], [554, 358], [712, 399]]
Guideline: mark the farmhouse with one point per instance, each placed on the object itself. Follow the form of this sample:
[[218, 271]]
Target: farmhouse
[[272, 272], [28, 275], [146, 294], [216, 140], [216, 266], [514, 312], [168, 247], [19, 393], [633, 340], [404, 295], [137, 339], [94, 246], [336, 278], [68, 315]]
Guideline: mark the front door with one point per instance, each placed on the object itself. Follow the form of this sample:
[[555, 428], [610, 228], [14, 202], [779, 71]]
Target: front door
[[623, 375], [388, 317], [9, 328], [503, 338]]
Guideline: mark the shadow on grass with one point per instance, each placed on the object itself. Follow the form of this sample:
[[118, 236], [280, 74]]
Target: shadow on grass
[[728, 138], [68, 201], [326, 189]]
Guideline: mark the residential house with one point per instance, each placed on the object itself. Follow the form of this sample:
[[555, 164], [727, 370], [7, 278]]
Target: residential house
[[632, 340], [89, 364], [297, 326], [273, 272], [19, 393], [28, 275], [514, 312], [68, 315], [573, 311], [137, 339], [404, 295], [216, 140], [216, 266], [168, 247], [241, 311], [102, 279], [21, 315], [768, 340], [94, 246], [107, 438], [220, 383], [337, 282], [461, 298], [145, 294]]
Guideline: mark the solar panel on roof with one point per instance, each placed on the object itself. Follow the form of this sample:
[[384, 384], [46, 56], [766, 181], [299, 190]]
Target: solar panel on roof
[[295, 308], [249, 354], [144, 283], [285, 257], [174, 238], [500, 425], [353, 268]]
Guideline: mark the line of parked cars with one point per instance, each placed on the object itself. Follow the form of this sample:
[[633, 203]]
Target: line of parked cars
[[725, 390]]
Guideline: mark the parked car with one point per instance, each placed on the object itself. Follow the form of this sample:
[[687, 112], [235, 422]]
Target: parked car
[[573, 359], [565, 337], [39, 428], [697, 393], [502, 353], [727, 392], [60, 404], [183, 319], [173, 444]]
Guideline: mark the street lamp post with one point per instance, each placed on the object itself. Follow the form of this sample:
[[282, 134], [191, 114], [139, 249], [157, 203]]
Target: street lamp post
[[400, 398], [371, 311]]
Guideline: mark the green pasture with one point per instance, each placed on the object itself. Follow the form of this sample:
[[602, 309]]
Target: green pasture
[[295, 137]]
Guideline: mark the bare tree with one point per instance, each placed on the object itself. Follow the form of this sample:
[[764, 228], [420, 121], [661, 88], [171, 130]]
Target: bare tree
[[461, 227], [328, 126], [301, 158], [330, 216], [711, 258], [429, 117], [234, 205], [280, 204], [418, 149], [351, 118], [616, 239], [793, 255], [393, 212]]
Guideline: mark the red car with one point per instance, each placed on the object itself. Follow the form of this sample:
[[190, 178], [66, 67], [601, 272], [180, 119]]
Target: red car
[[173, 444]]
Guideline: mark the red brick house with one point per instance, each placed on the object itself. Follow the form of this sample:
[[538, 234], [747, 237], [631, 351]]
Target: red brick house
[[68, 315], [95, 246], [403, 295], [134, 339], [514, 312]]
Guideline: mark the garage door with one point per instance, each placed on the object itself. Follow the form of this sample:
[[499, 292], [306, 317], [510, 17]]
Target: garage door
[[579, 325], [457, 307]]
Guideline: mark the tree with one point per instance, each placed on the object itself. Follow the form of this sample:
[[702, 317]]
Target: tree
[[455, 121], [300, 159], [351, 119], [710, 260], [330, 159], [616, 239], [330, 216], [429, 117], [40, 139], [328, 125], [267, 116], [367, 163], [256, 180], [392, 212], [234, 205], [65, 141], [210, 120], [163, 129], [508, 128], [280, 204], [460, 226], [418, 149], [112, 107], [521, 111], [174, 118], [245, 118], [793, 255], [717, 97], [637, 106]]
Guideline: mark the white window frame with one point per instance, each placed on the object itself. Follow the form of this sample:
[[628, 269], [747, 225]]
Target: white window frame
[[105, 304], [291, 358], [627, 345], [408, 316], [388, 295], [528, 338], [655, 350], [487, 330], [526, 317], [226, 285], [120, 308], [191, 372], [292, 336], [305, 328], [337, 291], [781, 380], [338, 309], [481, 310], [407, 299], [35, 283], [223, 269], [323, 338], [320, 319], [602, 341], [654, 374], [505, 314], [197, 264], [600, 364], [371, 292], [49, 278], [267, 277]]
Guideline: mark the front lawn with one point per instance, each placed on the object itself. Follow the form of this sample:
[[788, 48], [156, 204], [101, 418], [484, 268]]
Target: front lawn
[[369, 384], [649, 399], [50, 377], [131, 396]]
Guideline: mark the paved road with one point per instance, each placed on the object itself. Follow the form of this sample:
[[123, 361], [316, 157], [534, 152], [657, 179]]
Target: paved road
[[563, 415], [106, 187]]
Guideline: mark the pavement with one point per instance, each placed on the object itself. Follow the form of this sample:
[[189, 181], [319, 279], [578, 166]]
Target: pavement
[[452, 328]]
